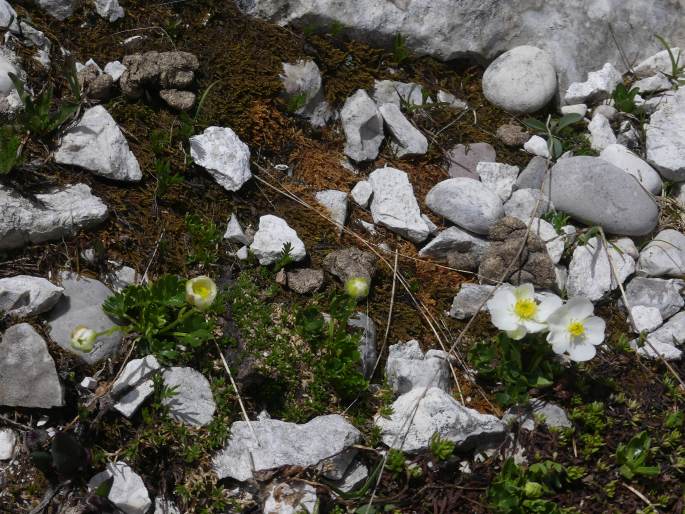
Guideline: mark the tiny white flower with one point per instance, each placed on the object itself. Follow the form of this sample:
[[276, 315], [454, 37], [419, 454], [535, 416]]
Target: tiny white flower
[[357, 288], [516, 311], [83, 338], [200, 292], [575, 331]]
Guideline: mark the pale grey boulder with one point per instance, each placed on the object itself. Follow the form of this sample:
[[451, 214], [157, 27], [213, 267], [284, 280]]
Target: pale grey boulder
[[665, 295], [24, 295], [665, 138], [410, 428], [660, 62], [54, 215], [664, 255], [522, 80], [363, 127], [128, 491], [276, 443], [109, 9], [235, 233], [596, 192], [193, 401], [271, 237], [469, 299], [81, 304], [226, 158], [622, 158], [408, 367], [28, 377], [467, 203], [408, 141]]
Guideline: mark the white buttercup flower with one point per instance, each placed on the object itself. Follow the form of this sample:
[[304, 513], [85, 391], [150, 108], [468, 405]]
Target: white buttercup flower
[[83, 338], [200, 292], [575, 331], [516, 311]]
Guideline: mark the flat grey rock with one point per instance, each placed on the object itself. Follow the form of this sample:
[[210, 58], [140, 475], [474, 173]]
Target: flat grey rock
[[595, 192], [193, 404], [24, 295], [128, 491], [455, 239], [553, 416], [598, 86], [408, 141], [290, 498], [664, 255], [467, 203], [335, 202], [361, 193], [81, 304], [469, 298], [437, 412], [522, 79], [408, 367], [463, 159], [279, 443], [97, 144], [665, 138], [527, 203], [397, 93], [134, 385], [363, 126], [28, 377], [56, 214], [665, 295], [305, 281], [533, 175]]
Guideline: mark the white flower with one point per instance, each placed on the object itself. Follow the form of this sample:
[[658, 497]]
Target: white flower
[[357, 288], [516, 311], [83, 338], [200, 292], [575, 331]]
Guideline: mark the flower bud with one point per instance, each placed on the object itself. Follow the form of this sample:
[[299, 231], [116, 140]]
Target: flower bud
[[532, 490], [83, 338], [200, 292], [357, 288]]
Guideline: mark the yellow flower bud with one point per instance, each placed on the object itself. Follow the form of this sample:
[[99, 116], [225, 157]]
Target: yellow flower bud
[[357, 288], [200, 292]]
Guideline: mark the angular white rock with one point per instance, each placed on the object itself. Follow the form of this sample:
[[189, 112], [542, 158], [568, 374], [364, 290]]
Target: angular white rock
[[134, 385], [498, 177], [665, 295], [437, 412], [276, 443], [653, 84], [407, 368], [193, 402], [522, 79], [598, 86], [24, 295], [97, 144], [645, 319], [109, 9], [590, 273], [221, 152], [601, 133], [273, 233], [8, 16], [452, 101], [115, 70], [526, 203], [335, 203], [657, 63], [622, 158], [303, 79], [397, 93], [665, 137], [394, 205], [363, 126], [554, 242], [454, 239], [234, 232], [361, 193], [467, 203], [469, 299], [574, 109], [8, 442], [664, 255], [291, 498], [128, 491], [537, 146], [407, 139]]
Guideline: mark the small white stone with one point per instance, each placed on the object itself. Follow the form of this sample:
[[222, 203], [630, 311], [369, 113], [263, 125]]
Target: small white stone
[[361, 193], [272, 235], [128, 491], [8, 441], [109, 9], [601, 133], [234, 232], [89, 383], [363, 126], [500, 178], [645, 319], [242, 253], [115, 70], [221, 152], [574, 109], [335, 202], [407, 139], [598, 86], [537, 146], [452, 101]]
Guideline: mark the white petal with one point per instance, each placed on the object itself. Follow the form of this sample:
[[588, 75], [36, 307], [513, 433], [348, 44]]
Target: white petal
[[533, 326], [501, 310], [524, 291], [560, 340], [559, 319], [502, 299], [517, 334], [547, 307], [594, 329], [581, 352], [579, 308]]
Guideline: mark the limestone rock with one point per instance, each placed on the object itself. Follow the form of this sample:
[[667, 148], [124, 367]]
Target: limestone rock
[[361, 193], [598, 86], [234, 232], [302, 84], [178, 99], [407, 368], [665, 135], [664, 255], [534, 174], [622, 158], [601, 133], [665, 295], [397, 93], [363, 126], [128, 491], [463, 159], [134, 385], [24, 295], [526, 203], [407, 139], [291, 498], [512, 134], [454, 240], [193, 402], [335, 203], [500, 178], [8, 443], [537, 146], [221, 152], [59, 9], [109, 9], [469, 299]]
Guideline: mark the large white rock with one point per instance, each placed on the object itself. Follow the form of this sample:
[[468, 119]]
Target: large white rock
[[28, 377], [574, 32], [598, 193], [601, 133], [109, 9], [660, 62], [394, 205], [590, 274], [55, 215], [408, 367], [128, 491], [499, 177], [665, 295], [221, 152], [97, 144], [437, 412], [467, 203], [193, 401], [363, 126], [522, 79], [666, 340], [24, 295], [276, 443], [622, 158], [598, 86], [664, 255], [407, 139], [665, 135], [273, 233], [335, 202]]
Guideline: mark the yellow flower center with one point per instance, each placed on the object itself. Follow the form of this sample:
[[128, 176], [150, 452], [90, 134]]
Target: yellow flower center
[[201, 289], [576, 328], [525, 308]]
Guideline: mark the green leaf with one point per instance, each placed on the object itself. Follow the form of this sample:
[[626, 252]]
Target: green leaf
[[534, 124], [568, 119]]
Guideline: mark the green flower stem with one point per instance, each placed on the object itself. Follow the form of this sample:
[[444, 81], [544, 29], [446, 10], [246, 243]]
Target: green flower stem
[[182, 316]]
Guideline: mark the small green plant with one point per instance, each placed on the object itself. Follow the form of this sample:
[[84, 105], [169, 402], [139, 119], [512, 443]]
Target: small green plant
[[336, 28], [633, 457], [400, 52], [441, 449], [677, 69], [10, 149], [557, 219], [553, 130], [297, 102], [396, 462], [624, 98], [165, 177], [160, 316], [285, 258], [515, 366], [205, 237]]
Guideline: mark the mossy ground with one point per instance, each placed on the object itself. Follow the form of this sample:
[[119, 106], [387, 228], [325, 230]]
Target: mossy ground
[[149, 233]]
